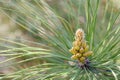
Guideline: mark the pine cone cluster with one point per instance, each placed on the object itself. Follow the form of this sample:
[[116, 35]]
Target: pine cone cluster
[[80, 49]]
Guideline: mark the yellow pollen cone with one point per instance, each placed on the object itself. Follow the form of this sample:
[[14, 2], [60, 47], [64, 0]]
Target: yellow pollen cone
[[86, 48], [79, 43], [87, 54], [84, 44], [77, 47], [74, 57], [82, 59], [76, 43], [81, 50], [72, 51], [78, 55]]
